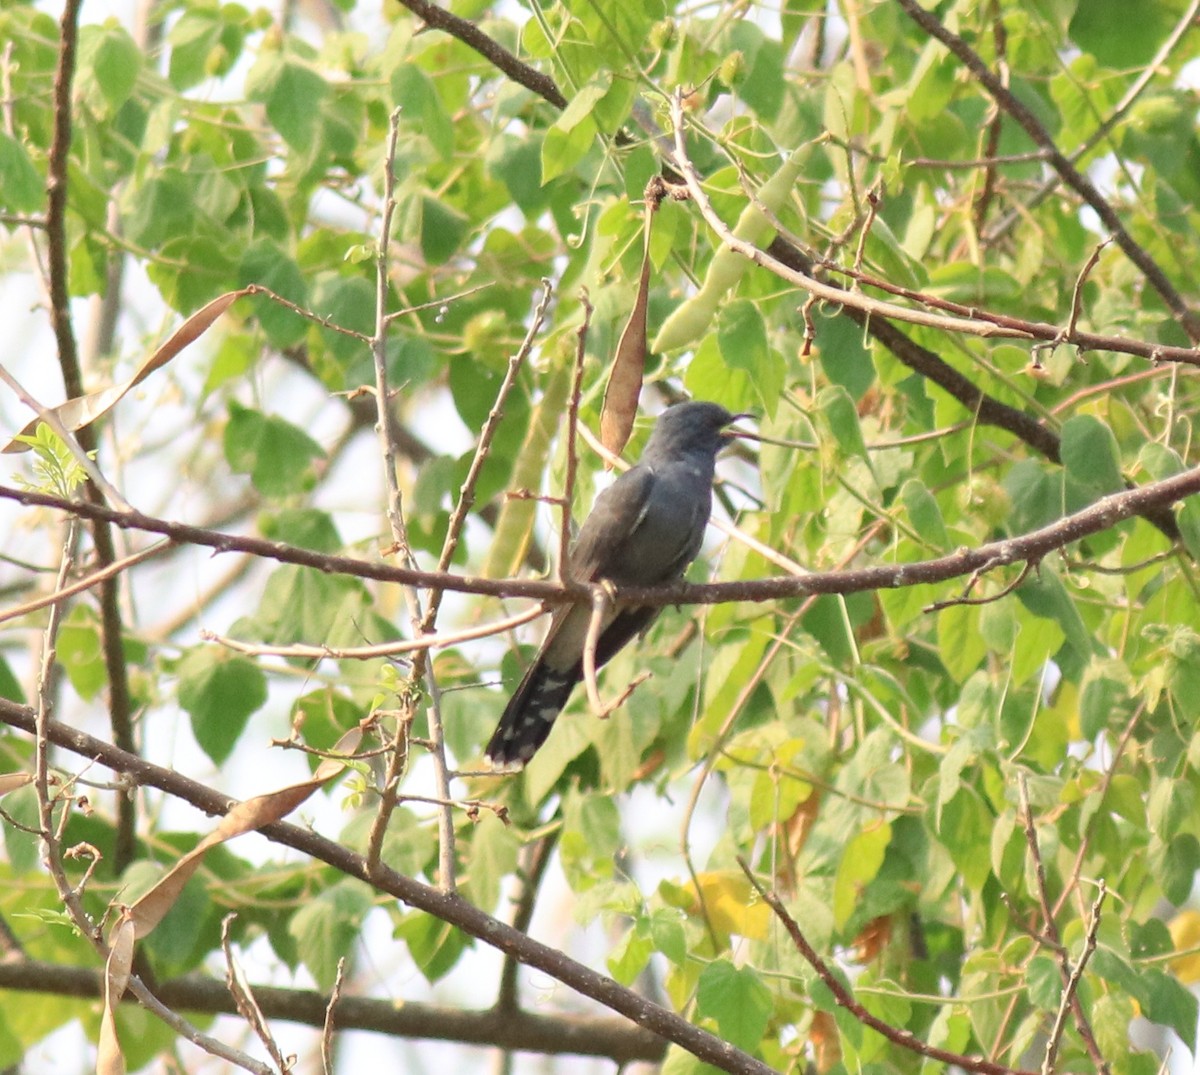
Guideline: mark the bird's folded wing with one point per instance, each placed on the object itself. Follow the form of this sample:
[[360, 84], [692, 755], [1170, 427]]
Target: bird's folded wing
[[616, 515]]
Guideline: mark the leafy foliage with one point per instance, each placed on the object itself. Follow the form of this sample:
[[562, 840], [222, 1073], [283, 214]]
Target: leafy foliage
[[920, 773]]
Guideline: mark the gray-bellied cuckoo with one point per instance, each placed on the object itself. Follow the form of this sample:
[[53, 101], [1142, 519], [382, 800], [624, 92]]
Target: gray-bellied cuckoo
[[644, 529]]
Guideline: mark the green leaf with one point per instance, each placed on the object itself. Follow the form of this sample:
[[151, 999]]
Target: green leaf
[[421, 110], [435, 946], [1104, 697], [293, 94], [629, 957], [960, 643], [24, 849], [1044, 594], [738, 1000], [965, 828], [1171, 804], [563, 149], [277, 455], [442, 230], [494, 848], [306, 527], [584, 102], [591, 836], [844, 358], [1171, 1004], [301, 604], [219, 692], [326, 928], [1091, 455], [1044, 980], [1180, 864], [10, 687], [859, 864], [80, 653], [742, 338], [667, 933], [116, 63], [840, 419], [1103, 28], [21, 187]]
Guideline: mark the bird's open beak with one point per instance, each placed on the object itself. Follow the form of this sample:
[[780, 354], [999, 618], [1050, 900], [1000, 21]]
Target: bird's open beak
[[735, 434]]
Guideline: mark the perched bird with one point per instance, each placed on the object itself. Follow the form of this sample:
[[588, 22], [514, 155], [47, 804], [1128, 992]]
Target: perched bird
[[644, 529]]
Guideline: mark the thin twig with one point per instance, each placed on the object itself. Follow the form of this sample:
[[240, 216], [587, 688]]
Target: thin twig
[[1070, 175], [327, 1029], [438, 304], [384, 649], [1072, 987], [398, 757], [966, 599], [1109, 773], [845, 999], [600, 606], [245, 1002], [873, 198], [301, 311], [1069, 332], [1051, 926]]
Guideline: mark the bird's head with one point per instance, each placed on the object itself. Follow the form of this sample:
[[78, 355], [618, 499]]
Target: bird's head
[[696, 426]]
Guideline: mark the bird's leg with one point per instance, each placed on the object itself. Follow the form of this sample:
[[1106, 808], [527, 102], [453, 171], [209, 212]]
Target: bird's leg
[[601, 599]]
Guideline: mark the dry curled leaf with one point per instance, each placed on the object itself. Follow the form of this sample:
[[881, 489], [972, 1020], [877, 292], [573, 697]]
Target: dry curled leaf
[[246, 816], [12, 781], [109, 1058], [624, 386], [82, 411]]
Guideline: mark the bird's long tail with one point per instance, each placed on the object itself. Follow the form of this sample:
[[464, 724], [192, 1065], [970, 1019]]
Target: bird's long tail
[[547, 684], [530, 714]]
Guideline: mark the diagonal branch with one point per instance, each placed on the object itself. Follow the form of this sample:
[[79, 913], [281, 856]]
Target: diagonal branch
[[447, 906], [1071, 175], [492, 51], [845, 999]]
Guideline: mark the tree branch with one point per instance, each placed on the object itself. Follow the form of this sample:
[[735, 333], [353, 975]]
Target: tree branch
[[446, 906], [1075, 179], [1035, 545], [512, 1029], [495, 54]]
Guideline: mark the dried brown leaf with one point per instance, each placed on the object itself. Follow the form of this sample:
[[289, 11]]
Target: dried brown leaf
[[109, 1058], [624, 386], [12, 781], [82, 411], [244, 817]]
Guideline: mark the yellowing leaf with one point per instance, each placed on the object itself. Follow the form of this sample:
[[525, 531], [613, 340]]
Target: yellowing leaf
[[1185, 932], [731, 905]]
